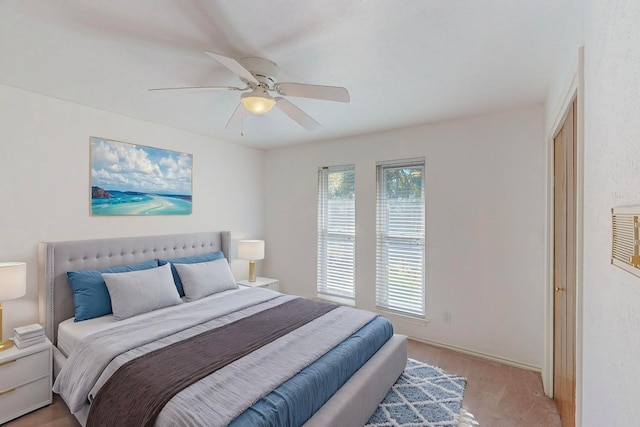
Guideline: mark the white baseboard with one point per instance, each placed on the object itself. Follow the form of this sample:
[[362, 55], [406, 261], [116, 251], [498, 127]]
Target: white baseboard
[[485, 356]]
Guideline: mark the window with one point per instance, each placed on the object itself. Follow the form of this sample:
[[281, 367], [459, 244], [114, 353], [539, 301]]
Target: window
[[336, 231], [400, 275]]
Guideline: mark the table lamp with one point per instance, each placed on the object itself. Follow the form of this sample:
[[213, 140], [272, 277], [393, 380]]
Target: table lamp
[[252, 250], [13, 284]]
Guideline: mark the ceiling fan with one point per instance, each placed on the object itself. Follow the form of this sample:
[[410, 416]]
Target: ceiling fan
[[259, 77]]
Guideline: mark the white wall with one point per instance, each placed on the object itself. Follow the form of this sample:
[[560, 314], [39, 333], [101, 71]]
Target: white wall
[[486, 209], [44, 184], [611, 310], [565, 73]]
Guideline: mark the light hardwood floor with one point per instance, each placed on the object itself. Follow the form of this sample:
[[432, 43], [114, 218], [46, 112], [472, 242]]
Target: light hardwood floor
[[497, 395]]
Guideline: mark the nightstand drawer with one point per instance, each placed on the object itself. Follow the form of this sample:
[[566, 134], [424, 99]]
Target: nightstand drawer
[[24, 369], [24, 399], [273, 286], [262, 282]]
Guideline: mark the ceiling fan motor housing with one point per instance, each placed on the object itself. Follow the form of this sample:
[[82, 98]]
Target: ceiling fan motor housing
[[262, 69]]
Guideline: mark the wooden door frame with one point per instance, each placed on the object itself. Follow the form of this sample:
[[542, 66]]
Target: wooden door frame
[[574, 92]]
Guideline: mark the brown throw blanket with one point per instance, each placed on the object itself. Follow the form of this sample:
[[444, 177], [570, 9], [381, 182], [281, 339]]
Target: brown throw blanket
[[136, 393]]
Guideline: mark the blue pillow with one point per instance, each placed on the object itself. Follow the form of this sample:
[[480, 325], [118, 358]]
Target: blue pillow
[[193, 259], [90, 295]]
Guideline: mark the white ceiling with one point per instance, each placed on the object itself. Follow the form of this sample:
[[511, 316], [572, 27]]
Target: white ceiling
[[404, 62]]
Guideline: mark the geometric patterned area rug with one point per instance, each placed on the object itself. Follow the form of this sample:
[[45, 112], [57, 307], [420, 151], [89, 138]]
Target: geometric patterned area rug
[[424, 395]]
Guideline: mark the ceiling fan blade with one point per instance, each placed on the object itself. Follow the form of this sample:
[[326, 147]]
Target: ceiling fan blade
[[235, 121], [329, 93], [297, 115], [234, 66], [199, 88]]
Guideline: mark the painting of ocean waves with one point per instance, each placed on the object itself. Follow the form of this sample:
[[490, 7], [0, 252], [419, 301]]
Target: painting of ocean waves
[[128, 179]]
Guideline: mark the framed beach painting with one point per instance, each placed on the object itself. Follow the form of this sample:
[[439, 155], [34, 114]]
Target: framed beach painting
[[129, 179]]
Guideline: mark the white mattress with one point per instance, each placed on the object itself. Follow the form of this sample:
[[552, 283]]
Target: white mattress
[[70, 332]]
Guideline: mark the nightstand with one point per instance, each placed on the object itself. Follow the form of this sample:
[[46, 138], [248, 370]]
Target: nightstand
[[25, 380], [261, 282]]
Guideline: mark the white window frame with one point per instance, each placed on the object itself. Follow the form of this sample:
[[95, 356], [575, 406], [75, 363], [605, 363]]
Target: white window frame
[[336, 275], [402, 248]]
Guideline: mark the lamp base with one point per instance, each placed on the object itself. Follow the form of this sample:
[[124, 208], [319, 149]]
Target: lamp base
[[6, 345], [252, 271]]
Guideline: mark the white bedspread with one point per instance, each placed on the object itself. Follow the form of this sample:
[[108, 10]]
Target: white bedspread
[[228, 391]]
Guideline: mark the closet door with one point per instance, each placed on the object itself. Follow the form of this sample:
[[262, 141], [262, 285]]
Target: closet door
[[564, 383]]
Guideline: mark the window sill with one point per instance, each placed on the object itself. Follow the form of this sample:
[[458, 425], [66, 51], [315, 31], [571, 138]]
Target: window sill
[[402, 317]]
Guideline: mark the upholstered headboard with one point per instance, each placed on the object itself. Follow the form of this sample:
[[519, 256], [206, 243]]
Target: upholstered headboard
[[56, 258]]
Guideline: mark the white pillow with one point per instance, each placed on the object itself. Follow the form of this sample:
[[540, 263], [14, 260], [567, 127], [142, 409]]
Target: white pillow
[[205, 278], [138, 292]]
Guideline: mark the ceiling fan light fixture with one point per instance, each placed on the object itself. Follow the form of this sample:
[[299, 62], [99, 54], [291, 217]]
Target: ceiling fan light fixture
[[257, 102]]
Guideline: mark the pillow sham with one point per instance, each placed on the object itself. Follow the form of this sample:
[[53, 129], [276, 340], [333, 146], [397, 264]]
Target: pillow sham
[[90, 295], [141, 291], [205, 278], [193, 259]]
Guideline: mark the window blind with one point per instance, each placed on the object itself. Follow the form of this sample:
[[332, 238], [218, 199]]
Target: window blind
[[400, 251], [336, 231]]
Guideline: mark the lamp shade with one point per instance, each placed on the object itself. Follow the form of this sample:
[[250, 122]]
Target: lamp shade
[[252, 250], [13, 280]]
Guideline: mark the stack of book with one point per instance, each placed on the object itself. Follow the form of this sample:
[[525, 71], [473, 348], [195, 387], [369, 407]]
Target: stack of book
[[26, 336]]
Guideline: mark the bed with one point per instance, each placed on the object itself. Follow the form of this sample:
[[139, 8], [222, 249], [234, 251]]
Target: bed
[[351, 405]]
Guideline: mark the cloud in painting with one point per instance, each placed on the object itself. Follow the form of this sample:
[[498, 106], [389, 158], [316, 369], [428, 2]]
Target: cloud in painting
[[126, 167]]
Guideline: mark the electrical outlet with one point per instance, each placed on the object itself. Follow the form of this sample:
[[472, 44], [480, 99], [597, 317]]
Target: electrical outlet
[[447, 317]]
